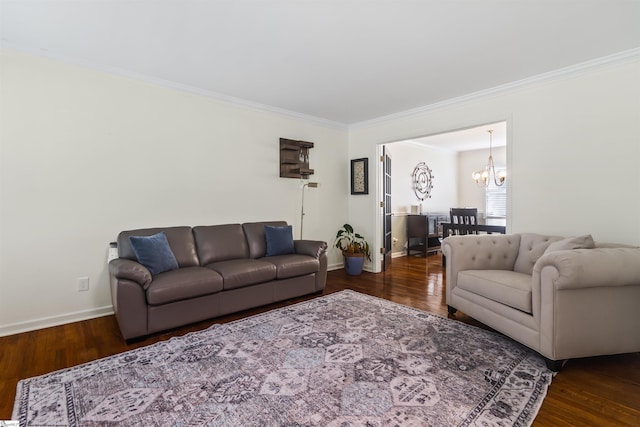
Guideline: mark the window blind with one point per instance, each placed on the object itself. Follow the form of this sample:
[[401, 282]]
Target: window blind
[[496, 198]]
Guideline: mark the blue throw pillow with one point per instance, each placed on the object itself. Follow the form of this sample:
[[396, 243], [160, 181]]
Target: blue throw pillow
[[279, 240], [154, 253]]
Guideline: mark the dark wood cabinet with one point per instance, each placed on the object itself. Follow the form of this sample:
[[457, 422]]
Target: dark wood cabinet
[[424, 232]]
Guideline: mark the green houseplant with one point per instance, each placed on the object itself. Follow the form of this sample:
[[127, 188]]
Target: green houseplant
[[354, 249]]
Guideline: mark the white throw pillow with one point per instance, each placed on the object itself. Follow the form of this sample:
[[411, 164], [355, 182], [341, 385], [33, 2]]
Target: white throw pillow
[[579, 242]]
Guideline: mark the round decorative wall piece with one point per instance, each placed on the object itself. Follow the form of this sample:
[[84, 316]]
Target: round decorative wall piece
[[422, 181]]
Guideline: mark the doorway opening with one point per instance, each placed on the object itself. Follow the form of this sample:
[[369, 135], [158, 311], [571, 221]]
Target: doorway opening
[[452, 156]]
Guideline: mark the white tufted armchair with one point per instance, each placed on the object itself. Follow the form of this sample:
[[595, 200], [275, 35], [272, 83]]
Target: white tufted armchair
[[564, 298]]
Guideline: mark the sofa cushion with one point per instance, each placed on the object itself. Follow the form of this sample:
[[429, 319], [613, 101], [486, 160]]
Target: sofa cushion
[[181, 284], [279, 240], [256, 238], [293, 265], [154, 253], [180, 240], [220, 243], [238, 273], [506, 287], [570, 243], [532, 247]]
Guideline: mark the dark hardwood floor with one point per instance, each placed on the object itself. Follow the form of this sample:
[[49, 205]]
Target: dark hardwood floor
[[598, 391]]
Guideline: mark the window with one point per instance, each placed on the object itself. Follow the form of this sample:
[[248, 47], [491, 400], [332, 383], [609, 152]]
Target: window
[[496, 198]]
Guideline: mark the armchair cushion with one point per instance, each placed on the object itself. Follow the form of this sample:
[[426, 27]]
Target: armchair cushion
[[532, 247], [579, 242], [503, 286], [154, 253]]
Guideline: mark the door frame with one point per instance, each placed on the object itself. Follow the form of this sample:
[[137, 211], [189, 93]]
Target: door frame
[[378, 218]]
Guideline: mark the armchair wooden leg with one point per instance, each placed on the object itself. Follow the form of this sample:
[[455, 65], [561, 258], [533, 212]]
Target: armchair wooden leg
[[451, 310], [136, 340], [554, 365]]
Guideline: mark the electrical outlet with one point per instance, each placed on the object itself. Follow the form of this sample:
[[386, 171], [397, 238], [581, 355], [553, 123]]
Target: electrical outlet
[[83, 284]]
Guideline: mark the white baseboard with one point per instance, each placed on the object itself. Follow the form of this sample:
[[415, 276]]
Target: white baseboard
[[337, 266], [47, 322], [340, 266]]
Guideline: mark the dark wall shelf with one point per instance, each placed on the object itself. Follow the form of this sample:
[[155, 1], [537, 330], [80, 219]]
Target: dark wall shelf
[[294, 158]]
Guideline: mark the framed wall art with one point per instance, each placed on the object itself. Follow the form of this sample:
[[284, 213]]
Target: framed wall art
[[360, 176]]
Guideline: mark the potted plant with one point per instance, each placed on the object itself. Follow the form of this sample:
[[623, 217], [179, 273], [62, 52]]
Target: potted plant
[[354, 249]]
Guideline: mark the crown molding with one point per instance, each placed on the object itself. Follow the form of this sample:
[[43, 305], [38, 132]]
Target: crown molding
[[177, 86], [573, 70]]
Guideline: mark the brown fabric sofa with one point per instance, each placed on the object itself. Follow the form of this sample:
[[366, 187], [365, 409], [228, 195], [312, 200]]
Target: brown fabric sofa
[[222, 269], [550, 293]]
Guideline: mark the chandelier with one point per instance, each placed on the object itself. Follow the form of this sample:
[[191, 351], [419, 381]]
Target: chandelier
[[483, 177]]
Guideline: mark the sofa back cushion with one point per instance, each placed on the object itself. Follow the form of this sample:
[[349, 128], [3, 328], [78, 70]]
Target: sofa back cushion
[[256, 238], [180, 240], [220, 243], [532, 247]]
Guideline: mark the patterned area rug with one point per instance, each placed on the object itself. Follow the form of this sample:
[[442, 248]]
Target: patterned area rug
[[345, 359]]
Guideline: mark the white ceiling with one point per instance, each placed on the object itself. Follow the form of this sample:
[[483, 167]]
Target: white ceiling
[[344, 61], [475, 138]]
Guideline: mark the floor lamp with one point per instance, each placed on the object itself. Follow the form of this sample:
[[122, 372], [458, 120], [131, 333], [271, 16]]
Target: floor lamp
[[310, 185]]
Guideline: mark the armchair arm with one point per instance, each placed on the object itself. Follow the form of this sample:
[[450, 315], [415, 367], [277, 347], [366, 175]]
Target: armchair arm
[[585, 301], [589, 268], [122, 268], [314, 248]]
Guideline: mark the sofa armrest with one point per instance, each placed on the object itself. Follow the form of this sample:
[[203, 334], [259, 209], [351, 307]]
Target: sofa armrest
[[314, 248], [589, 268], [126, 269]]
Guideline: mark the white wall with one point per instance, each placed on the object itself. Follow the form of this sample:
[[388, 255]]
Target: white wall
[[404, 158], [85, 155], [574, 148]]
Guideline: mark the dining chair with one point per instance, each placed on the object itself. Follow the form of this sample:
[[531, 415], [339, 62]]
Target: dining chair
[[464, 216]]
